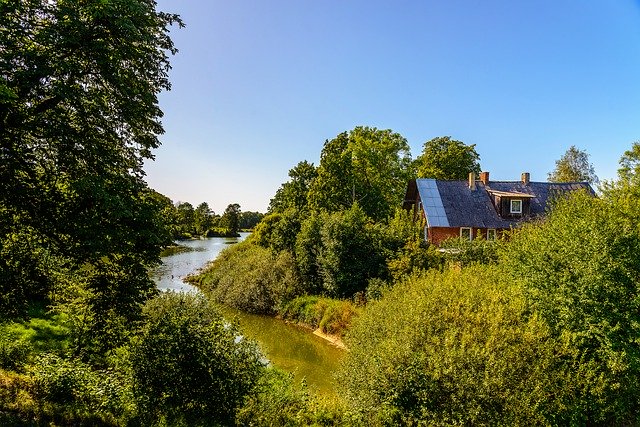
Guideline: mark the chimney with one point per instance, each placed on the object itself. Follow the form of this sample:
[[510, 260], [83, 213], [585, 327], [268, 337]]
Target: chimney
[[472, 181], [525, 178], [484, 177]]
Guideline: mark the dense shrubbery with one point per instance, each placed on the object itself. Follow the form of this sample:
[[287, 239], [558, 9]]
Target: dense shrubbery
[[581, 271], [330, 315], [188, 364], [278, 401], [451, 348], [250, 278], [546, 335]]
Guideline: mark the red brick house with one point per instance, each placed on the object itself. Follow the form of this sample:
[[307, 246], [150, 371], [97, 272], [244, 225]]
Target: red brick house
[[480, 208]]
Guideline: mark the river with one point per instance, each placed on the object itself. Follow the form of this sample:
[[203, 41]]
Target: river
[[286, 346]]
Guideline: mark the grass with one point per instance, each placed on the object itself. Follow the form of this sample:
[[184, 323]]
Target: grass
[[42, 331], [330, 315]]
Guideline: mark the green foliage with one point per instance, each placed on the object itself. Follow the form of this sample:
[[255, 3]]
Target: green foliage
[[464, 252], [307, 250], [249, 220], [42, 332], [278, 231], [230, 220], [452, 348], [404, 248], [250, 278], [293, 194], [73, 388], [367, 166], [189, 365], [580, 270], [103, 301], [446, 158], [278, 401], [330, 315], [573, 166], [202, 218], [79, 116], [348, 257]]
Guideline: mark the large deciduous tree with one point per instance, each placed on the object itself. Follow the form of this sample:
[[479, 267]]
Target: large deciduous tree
[[293, 193], [446, 158], [366, 165], [79, 114], [573, 166]]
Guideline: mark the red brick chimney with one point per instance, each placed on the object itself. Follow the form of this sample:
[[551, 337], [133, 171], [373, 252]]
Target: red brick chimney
[[525, 178], [484, 177]]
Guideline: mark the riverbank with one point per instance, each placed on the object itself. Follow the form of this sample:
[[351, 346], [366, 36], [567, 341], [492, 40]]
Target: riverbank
[[286, 343]]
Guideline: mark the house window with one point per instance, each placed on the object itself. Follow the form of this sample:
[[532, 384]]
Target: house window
[[491, 234], [465, 233], [516, 206]]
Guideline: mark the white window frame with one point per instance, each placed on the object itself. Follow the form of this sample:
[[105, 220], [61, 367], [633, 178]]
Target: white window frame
[[462, 229], [492, 234], [515, 211]]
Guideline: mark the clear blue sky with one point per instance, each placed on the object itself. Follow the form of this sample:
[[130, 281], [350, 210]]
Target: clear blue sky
[[260, 85]]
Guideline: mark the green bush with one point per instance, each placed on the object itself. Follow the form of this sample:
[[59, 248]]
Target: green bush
[[278, 401], [330, 315], [453, 348], [75, 389], [14, 353], [581, 271], [251, 278], [189, 365]]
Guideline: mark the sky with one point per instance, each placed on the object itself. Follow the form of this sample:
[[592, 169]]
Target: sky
[[258, 86]]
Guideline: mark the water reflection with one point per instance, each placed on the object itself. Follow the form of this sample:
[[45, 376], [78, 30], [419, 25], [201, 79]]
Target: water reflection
[[291, 348], [288, 347], [174, 268]]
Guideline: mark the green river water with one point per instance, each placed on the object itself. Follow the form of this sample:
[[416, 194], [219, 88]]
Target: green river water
[[289, 347]]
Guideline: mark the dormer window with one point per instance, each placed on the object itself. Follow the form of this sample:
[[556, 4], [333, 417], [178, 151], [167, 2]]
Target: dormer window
[[516, 206]]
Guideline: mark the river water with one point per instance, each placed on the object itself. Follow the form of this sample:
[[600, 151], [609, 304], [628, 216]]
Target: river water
[[286, 346]]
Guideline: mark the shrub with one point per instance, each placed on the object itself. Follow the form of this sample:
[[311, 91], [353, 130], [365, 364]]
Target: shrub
[[581, 271], [189, 365], [14, 353], [331, 316], [75, 389], [278, 401], [463, 252], [452, 348], [251, 278]]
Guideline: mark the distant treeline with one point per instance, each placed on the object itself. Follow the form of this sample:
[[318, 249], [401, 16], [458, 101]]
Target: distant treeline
[[184, 221]]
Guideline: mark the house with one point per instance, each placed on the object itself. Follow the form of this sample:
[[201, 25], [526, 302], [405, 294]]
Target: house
[[480, 208]]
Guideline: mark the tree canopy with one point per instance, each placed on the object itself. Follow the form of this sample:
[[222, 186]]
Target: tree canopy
[[573, 166], [365, 165], [446, 158], [79, 114], [293, 193]]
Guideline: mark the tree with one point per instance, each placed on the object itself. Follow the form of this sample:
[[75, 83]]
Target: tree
[[79, 115], [446, 158], [293, 193], [629, 171], [189, 364], [231, 218], [186, 218], [367, 166], [348, 256], [573, 166], [202, 218], [249, 220]]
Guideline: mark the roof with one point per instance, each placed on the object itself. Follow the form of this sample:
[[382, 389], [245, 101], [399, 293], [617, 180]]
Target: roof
[[453, 204]]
